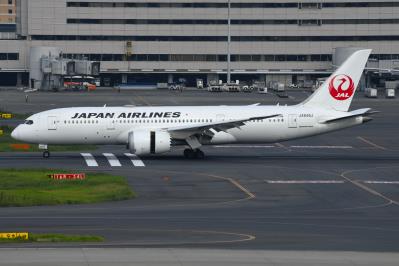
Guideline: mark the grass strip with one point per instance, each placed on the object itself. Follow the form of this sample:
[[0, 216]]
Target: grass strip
[[54, 238], [33, 187]]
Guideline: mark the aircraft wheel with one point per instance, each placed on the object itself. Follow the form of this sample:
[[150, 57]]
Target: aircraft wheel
[[199, 154], [46, 154], [189, 154]]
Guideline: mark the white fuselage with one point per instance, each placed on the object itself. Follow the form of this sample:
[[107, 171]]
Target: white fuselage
[[112, 125], [153, 130]]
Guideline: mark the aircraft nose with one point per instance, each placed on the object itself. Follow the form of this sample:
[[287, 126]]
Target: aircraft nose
[[15, 133]]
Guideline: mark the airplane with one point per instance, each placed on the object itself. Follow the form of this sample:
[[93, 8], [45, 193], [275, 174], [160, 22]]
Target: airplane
[[154, 130]]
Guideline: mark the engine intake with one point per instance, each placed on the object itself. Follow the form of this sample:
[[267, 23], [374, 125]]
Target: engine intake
[[149, 142]]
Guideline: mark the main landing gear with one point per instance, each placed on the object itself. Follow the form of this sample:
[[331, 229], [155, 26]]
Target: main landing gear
[[194, 154], [46, 154]]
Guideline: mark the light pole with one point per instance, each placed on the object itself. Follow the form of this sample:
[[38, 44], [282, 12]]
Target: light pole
[[228, 43]]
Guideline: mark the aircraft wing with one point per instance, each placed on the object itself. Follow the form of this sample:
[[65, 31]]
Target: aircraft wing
[[356, 113], [182, 132]]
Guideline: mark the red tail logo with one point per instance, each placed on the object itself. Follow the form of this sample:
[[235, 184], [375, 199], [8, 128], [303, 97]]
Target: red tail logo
[[341, 87]]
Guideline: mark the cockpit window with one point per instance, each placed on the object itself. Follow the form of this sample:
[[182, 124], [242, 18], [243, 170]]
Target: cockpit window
[[29, 122]]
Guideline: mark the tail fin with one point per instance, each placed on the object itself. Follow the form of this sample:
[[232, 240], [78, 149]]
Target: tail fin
[[338, 90]]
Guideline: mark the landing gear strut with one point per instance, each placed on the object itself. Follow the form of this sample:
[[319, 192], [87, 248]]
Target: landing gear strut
[[193, 154], [46, 154]]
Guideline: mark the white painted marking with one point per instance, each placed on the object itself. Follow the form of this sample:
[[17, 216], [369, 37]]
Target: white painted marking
[[305, 181], [113, 161], [90, 161], [245, 146], [136, 161], [321, 147], [371, 143], [381, 182]]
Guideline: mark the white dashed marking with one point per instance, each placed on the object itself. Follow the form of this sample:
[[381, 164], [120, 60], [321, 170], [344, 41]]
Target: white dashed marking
[[113, 161], [245, 146], [381, 182], [321, 147], [90, 161], [135, 160], [304, 181]]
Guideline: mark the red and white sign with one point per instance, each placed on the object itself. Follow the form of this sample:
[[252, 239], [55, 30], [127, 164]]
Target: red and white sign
[[341, 87], [68, 176]]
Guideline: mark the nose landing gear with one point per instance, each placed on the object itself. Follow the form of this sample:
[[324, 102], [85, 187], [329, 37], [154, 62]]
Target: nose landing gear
[[194, 154], [46, 154]]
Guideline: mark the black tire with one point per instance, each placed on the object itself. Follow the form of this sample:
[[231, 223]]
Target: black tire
[[199, 154], [46, 154], [189, 154]]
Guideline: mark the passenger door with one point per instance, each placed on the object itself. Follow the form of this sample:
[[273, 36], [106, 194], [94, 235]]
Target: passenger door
[[52, 123], [293, 121]]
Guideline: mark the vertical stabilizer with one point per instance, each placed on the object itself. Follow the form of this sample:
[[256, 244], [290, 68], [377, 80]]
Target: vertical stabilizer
[[338, 90]]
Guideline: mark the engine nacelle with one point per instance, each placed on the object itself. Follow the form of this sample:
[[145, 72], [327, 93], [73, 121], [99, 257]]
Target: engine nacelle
[[144, 142]]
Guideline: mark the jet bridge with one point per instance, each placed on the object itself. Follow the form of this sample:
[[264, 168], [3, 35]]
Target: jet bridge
[[48, 68]]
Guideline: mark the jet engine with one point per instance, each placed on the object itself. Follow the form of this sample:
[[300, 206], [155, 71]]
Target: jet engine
[[149, 142]]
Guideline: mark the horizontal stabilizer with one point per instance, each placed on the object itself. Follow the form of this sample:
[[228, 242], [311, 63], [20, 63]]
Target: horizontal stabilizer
[[356, 113]]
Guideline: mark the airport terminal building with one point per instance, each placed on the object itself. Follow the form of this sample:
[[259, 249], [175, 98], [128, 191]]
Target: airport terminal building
[[150, 41]]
